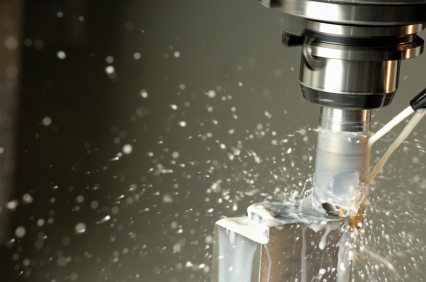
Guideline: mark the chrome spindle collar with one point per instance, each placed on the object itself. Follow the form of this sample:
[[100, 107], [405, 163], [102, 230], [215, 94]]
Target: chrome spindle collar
[[345, 120]]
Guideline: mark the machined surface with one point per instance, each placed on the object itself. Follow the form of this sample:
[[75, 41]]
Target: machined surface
[[289, 262], [351, 12], [345, 120]]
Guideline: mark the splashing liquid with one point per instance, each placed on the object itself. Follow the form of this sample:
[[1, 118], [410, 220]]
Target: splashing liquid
[[342, 167]]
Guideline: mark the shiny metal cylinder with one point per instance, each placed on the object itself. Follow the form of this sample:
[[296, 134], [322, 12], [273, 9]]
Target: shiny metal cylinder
[[353, 12], [342, 160], [345, 120], [350, 84]]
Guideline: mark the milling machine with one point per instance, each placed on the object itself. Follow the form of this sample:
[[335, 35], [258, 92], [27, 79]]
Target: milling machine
[[350, 63]]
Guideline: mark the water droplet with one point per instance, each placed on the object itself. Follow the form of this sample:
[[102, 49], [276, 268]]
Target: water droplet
[[27, 198], [175, 155], [62, 261], [20, 232], [47, 121], [167, 199], [127, 149], [106, 218], [176, 248], [177, 54], [11, 42], [40, 222], [109, 69], [182, 123], [109, 59], [80, 228], [12, 204], [94, 204], [144, 93], [211, 93]]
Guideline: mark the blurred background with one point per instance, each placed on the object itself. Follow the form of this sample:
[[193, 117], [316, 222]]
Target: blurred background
[[127, 128]]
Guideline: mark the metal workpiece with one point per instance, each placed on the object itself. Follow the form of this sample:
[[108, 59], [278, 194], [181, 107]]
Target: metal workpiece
[[305, 246], [345, 120], [361, 12]]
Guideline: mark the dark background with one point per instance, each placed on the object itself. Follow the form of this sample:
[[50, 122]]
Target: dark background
[[149, 215]]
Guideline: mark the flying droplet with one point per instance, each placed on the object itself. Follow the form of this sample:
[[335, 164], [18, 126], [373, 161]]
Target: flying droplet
[[127, 149], [47, 121], [27, 198], [109, 69], [20, 232], [144, 93], [175, 155], [106, 218], [61, 55], [211, 93], [80, 228], [109, 59]]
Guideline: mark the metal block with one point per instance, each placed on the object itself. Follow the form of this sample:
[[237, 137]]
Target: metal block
[[279, 242]]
